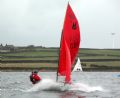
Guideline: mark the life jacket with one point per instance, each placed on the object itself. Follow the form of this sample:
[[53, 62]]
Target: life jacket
[[34, 78]]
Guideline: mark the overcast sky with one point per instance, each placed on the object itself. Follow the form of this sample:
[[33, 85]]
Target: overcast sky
[[39, 22]]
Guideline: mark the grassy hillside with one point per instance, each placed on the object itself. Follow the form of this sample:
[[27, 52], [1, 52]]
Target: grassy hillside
[[47, 58]]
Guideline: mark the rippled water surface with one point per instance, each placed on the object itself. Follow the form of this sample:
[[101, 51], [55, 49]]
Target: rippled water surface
[[85, 85]]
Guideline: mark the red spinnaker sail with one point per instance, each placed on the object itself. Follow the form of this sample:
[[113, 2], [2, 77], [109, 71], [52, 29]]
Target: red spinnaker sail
[[71, 34]]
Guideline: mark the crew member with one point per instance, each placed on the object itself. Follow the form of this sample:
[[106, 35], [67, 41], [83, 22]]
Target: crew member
[[34, 77]]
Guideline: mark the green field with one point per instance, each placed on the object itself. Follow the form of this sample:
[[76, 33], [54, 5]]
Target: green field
[[47, 58]]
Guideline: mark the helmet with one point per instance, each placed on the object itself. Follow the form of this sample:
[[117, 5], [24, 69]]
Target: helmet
[[35, 71]]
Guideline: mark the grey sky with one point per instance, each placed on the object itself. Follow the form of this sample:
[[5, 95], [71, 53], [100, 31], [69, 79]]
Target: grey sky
[[39, 22]]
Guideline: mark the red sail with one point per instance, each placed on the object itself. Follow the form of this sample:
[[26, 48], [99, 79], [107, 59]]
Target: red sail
[[68, 65], [71, 34]]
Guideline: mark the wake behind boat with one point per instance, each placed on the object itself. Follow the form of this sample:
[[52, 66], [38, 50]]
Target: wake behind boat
[[52, 85]]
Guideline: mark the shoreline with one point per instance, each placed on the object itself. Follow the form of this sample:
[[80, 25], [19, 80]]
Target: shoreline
[[55, 69]]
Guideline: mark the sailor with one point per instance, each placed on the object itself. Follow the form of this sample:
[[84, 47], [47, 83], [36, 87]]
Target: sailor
[[34, 77]]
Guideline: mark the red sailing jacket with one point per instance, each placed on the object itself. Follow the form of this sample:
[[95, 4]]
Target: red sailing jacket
[[35, 78]]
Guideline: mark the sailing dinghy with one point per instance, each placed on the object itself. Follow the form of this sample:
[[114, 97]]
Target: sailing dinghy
[[69, 45], [78, 66]]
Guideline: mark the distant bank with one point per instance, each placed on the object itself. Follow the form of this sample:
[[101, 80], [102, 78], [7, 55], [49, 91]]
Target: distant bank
[[46, 59]]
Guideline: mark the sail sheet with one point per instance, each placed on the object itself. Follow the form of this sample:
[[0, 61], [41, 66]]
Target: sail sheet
[[71, 34]]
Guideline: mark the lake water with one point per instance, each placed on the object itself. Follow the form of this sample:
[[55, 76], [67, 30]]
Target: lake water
[[85, 85]]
